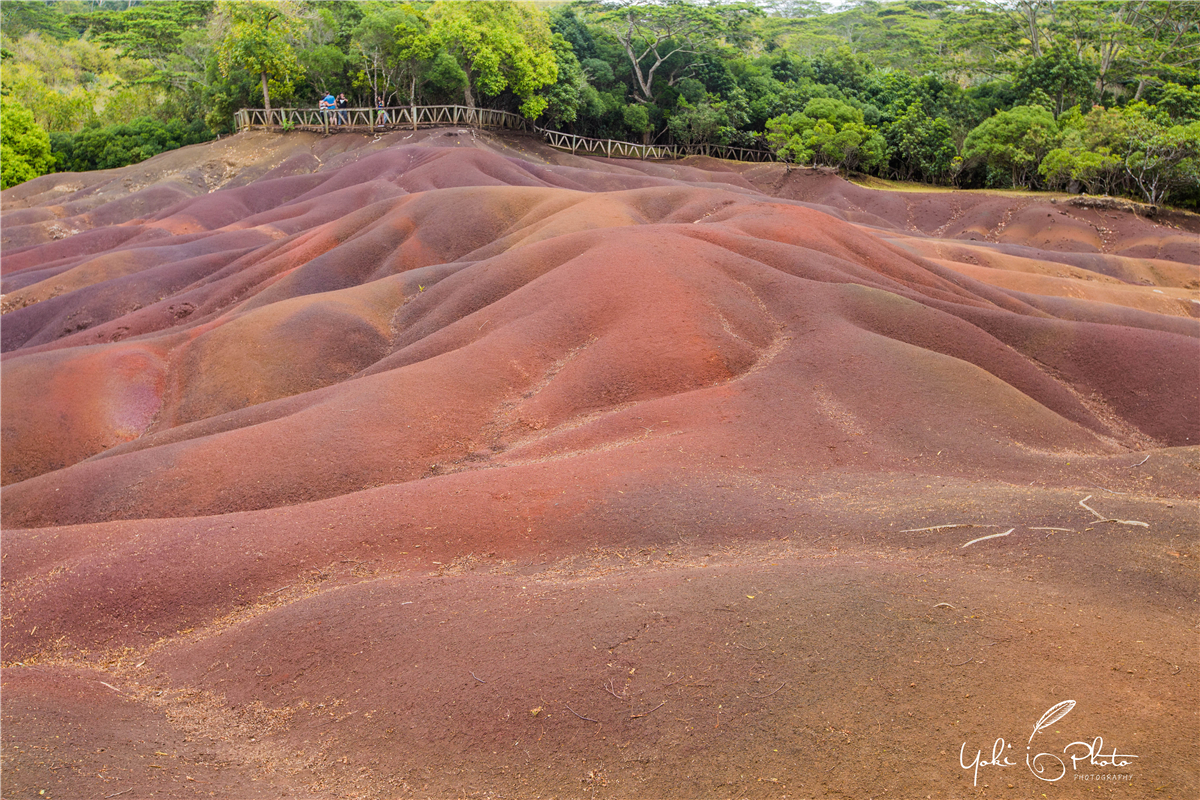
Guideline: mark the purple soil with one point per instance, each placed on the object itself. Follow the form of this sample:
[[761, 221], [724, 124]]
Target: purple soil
[[299, 433]]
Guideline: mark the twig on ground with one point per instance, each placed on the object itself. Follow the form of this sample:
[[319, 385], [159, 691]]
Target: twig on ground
[[768, 694], [651, 711], [476, 677], [943, 605], [968, 661], [946, 527], [581, 716], [735, 644], [117, 794], [1101, 518], [109, 685], [1143, 461], [985, 538], [609, 689], [1083, 503], [1065, 530]]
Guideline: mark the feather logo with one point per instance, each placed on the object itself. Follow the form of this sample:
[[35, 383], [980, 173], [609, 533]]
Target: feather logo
[[1053, 715]]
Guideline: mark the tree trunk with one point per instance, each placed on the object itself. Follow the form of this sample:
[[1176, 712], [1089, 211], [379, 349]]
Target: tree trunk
[[1030, 11], [266, 97], [412, 101], [470, 98]]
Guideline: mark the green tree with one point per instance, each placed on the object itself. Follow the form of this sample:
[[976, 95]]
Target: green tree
[[24, 145], [21, 17], [379, 40], [598, 71], [1014, 141], [922, 146], [652, 33], [829, 132], [259, 39], [498, 45], [445, 75], [1166, 42], [151, 31], [637, 120], [1161, 159], [1091, 152], [1064, 77], [323, 66], [565, 95], [706, 121], [1181, 102]]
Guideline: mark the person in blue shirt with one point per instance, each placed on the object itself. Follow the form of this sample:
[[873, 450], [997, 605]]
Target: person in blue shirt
[[328, 104]]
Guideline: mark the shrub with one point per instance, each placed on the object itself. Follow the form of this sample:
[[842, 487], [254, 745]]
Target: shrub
[[113, 146]]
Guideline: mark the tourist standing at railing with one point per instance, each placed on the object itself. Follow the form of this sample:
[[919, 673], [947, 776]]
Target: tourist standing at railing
[[342, 105], [328, 104], [381, 117]]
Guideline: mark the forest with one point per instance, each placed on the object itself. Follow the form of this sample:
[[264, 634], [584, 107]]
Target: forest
[[1100, 98]]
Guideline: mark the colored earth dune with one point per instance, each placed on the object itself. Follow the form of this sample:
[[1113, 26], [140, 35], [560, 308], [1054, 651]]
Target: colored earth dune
[[449, 465]]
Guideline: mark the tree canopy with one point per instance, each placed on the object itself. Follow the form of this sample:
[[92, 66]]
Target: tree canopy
[[499, 45], [1097, 96], [24, 145], [259, 39]]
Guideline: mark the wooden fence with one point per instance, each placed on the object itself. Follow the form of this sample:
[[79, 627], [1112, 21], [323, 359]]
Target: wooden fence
[[372, 120]]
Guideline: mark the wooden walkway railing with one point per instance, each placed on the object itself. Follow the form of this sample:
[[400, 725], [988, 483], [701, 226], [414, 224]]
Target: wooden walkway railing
[[391, 118], [412, 117]]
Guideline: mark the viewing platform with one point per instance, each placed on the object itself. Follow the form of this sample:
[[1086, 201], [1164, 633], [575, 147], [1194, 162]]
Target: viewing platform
[[396, 118]]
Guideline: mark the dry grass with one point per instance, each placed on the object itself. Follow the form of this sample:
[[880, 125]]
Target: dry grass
[[884, 185]]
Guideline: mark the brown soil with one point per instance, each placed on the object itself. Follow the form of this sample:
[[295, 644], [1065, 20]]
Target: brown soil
[[447, 465]]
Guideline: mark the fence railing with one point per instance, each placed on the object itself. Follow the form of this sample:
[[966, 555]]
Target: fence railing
[[413, 117], [390, 118], [606, 147]]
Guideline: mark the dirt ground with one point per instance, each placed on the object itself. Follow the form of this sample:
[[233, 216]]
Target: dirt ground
[[445, 465]]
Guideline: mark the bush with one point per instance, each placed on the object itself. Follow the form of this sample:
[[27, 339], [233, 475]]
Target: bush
[[119, 145], [1013, 142], [24, 145], [827, 132]]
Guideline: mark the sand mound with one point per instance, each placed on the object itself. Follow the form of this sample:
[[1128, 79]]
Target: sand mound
[[250, 406]]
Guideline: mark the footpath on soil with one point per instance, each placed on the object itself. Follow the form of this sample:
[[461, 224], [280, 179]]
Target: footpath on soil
[[446, 464]]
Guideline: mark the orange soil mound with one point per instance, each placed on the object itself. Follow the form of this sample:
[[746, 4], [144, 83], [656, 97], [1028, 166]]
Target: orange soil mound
[[257, 397]]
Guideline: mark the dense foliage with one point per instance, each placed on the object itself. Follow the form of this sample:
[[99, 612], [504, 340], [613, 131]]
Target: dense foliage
[[1101, 97], [24, 145], [113, 146]]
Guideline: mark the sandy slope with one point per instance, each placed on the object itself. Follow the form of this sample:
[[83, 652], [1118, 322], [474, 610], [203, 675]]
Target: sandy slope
[[449, 465]]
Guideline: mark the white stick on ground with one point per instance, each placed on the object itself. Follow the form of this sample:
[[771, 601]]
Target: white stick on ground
[[985, 538], [1101, 518], [951, 525]]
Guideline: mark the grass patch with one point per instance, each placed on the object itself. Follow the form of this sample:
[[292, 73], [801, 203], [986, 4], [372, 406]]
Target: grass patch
[[885, 185]]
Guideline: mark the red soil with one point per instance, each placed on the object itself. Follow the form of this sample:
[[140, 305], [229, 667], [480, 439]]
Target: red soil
[[450, 465]]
